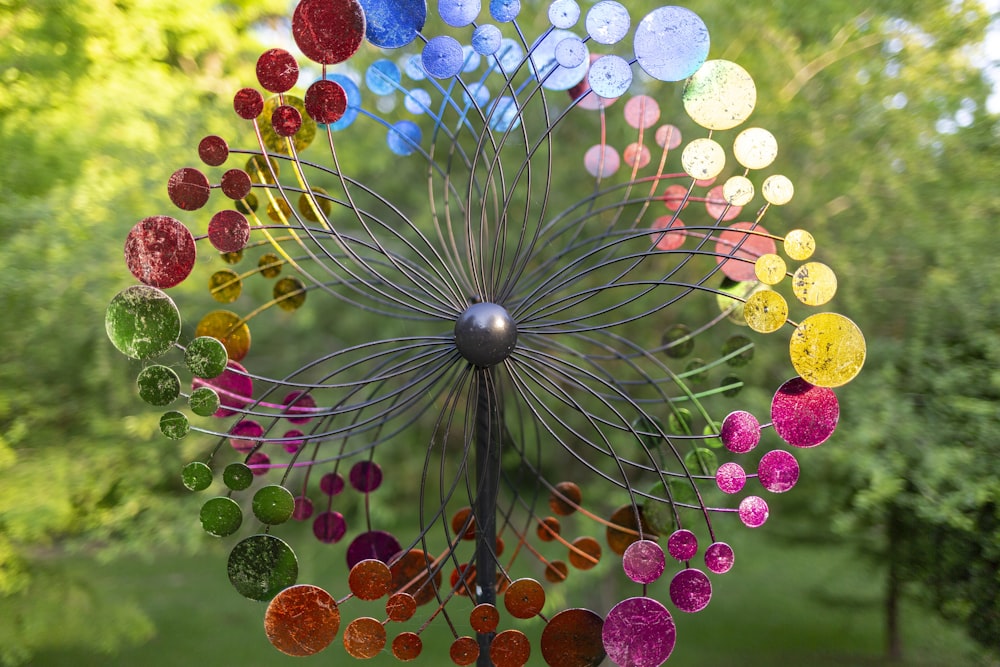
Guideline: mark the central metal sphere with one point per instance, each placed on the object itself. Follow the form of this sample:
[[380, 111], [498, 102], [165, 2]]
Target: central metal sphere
[[485, 334]]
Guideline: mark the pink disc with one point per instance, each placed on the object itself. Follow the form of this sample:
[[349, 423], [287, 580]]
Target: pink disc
[[753, 512], [303, 508], [636, 155], [213, 150], [643, 561], [331, 483], [740, 262], [682, 545], [248, 103], [668, 240], [668, 136], [236, 184], [299, 403], [188, 189], [804, 415], [730, 477], [639, 632], [326, 101], [259, 463], [641, 111], [291, 442], [234, 388], [245, 435], [601, 161], [286, 120], [675, 197], [277, 70], [740, 432], [328, 31], [719, 557], [329, 527], [160, 251], [716, 205], [376, 544], [690, 590], [778, 471], [228, 231], [366, 476]]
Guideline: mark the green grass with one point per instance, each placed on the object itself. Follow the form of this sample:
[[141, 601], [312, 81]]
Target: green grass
[[790, 605]]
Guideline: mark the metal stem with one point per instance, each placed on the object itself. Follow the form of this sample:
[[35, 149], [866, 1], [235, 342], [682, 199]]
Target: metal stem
[[487, 447]]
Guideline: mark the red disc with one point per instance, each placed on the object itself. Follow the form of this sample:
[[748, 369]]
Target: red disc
[[160, 251], [286, 120], [188, 189], [248, 103], [236, 184], [228, 231], [326, 101], [328, 31], [277, 70], [213, 150]]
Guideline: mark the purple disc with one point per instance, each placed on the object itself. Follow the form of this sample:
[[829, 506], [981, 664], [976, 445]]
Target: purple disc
[[740, 432], [778, 471], [248, 103], [292, 446], [331, 483], [690, 590], [234, 388], [277, 70], [643, 561], [376, 544], [236, 184], [299, 403], [245, 435], [804, 415], [213, 150], [329, 527], [259, 463], [188, 189], [228, 231], [286, 120], [730, 477], [160, 251], [682, 545], [303, 508], [326, 101], [366, 476], [753, 511], [719, 557], [639, 632]]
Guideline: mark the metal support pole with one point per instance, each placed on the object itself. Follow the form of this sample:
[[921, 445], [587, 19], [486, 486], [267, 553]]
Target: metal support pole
[[487, 448]]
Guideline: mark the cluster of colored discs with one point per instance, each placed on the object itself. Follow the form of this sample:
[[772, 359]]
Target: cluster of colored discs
[[506, 313]]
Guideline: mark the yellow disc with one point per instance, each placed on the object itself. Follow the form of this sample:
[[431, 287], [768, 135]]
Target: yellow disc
[[282, 214], [732, 306], [770, 269], [229, 329], [814, 283], [778, 190], [225, 286], [755, 148], [308, 205], [827, 350], [703, 159], [738, 191], [269, 265], [799, 244], [720, 95], [765, 311]]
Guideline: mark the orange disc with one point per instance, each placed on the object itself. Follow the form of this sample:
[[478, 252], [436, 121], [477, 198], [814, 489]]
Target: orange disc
[[370, 579], [572, 638], [548, 528], [510, 648], [458, 520], [467, 572], [625, 530], [302, 620], [556, 571], [484, 619], [585, 553], [407, 646], [565, 498], [464, 651], [524, 598], [400, 607], [412, 574], [364, 638]]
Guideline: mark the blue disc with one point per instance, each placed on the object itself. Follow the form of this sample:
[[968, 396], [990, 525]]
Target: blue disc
[[505, 115], [417, 100], [564, 13], [442, 57], [510, 54], [505, 10], [571, 52], [671, 43], [353, 101], [608, 22], [391, 24], [414, 69], [382, 77], [459, 13], [547, 67], [486, 39], [472, 59], [610, 76], [404, 137], [478, 93]]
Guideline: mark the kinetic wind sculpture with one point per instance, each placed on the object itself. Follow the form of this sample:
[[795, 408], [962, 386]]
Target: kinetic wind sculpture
[[489, 312]]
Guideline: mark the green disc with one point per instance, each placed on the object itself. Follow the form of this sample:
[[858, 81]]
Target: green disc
[[204, 401], [711, 432], [237, 476], [733, 346], [701, 461], [206, 357], [649, 429], [273, 504], [158, 385], [659, 514], [680, 421], [142, 322], [221, 516], [677, 341], [261, 566], [196, 476], [174, 425]]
